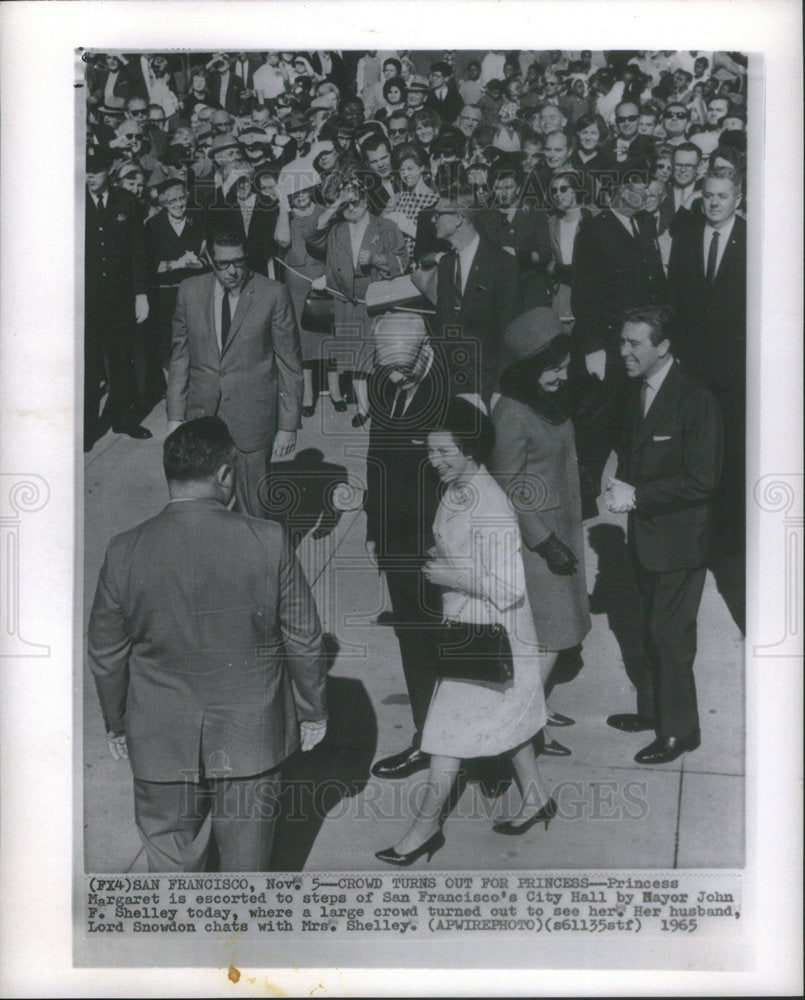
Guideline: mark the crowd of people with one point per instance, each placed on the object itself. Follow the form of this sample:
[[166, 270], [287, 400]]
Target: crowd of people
[[514, 266]]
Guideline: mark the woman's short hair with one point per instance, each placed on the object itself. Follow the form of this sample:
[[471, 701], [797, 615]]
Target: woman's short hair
[[471, 429], [408, 151], [585, 121], [399, 83]]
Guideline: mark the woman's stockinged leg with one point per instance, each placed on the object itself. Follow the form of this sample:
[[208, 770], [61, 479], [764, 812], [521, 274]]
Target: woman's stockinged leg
[[533, 791], [429, 799]]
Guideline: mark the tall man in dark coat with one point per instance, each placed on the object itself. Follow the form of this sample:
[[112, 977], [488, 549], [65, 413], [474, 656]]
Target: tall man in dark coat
[[408, 394], [707, 288], [207, 655], [616, 265], [666, 480], [115, 297], [477, 292]]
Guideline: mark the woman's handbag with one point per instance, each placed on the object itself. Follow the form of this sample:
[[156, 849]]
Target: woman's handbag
[[318, 316], [474, 651]]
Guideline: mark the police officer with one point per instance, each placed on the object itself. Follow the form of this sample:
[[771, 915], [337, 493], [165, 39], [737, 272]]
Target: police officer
[[114, 299]]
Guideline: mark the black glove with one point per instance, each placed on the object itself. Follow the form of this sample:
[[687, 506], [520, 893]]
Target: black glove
[[557, 555]]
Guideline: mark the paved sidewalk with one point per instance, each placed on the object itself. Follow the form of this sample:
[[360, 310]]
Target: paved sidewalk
[[612, 812]]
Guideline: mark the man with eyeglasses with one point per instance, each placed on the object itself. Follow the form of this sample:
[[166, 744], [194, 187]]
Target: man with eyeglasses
[[408, 394], [627, 117], [675, 121], [443, 97], [236, 355], [684, 198]]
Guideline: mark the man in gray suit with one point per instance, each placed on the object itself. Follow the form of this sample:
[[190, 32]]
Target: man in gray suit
[[236, 355], [207, 654]]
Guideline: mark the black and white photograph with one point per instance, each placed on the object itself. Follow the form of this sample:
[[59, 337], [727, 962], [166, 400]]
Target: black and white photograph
[[427, 565]]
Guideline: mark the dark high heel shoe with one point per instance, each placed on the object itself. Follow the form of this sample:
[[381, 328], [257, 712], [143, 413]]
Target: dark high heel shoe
[[430, 847], [339, 405], [555, 718], [553, 748], [308, 411], [360, 419], [544, 815]]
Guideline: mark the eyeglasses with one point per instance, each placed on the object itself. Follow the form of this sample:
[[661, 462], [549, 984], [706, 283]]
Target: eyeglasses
[[627, 118], [398, 131], [224, 265], [138, 112], [561, 188], [676, 114]]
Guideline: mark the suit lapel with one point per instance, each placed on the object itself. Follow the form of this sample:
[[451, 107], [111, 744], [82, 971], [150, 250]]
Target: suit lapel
[[210, 309], [477, 272], [729, 252]]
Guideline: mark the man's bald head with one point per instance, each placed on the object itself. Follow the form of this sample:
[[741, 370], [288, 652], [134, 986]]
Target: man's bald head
[[399, 342]]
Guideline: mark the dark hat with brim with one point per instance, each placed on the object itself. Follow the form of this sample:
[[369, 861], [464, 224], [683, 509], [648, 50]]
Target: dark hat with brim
[[527, 335]]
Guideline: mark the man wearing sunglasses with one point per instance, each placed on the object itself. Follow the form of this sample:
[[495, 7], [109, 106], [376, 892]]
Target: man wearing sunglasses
[[675, 122], [408, 394], [236, 355], [627, 117], [398, 128]]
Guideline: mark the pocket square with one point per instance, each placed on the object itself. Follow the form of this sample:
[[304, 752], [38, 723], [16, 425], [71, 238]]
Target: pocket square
[[481, 288], [661, 437]]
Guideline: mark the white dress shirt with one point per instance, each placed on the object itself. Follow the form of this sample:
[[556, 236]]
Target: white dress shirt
[[655, 381]]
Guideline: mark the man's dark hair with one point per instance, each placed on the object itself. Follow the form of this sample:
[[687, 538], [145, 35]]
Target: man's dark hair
[[441, 67], [659, 318], [228, 237], [197, 449], [471, 428], [688, 147], [374, 142]]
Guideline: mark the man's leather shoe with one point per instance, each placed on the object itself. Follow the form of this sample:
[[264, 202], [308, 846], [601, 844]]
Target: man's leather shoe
[[400, 765], [630, 722], [133, 431], [664, 750]]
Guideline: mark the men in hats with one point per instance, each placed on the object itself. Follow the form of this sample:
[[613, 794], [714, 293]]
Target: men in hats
[[666, 479], [206, 650], [114, 300], [417, 94], [236, 355], [522, 231], [477, 295], [616, 264], [408, 393]]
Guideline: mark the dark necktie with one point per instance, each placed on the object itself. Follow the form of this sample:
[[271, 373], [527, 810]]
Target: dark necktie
[[712, 258], [457, 296], [643, 397], [399, 405], [226, 319], [635, 230], [101, 210]]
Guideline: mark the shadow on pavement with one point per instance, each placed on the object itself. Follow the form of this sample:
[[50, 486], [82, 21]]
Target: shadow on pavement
[[315, 783]]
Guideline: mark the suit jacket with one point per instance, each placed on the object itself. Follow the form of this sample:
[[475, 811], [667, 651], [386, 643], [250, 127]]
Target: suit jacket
[[402, 488], [114, 256], [613, 271], [712, 321], [381, 236], [449, 107], [491, 300], [162, 244], [260, 243], [231, 102], [527, 232], [205, 644], [563, 273], [673, 220], [673, 458], [256, 384]]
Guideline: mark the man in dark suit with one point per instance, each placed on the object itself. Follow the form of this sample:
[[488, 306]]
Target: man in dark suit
[[115, 297], [444, 96], [207, 655], [683, 200], [408, 393], [666, 480], [522, 231], [616, 265], [477, 294], [379, 176], [225, 88], [236, 355], [707, 288]]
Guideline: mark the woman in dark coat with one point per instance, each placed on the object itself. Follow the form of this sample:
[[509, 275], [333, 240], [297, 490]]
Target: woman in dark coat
[[534, 460]]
